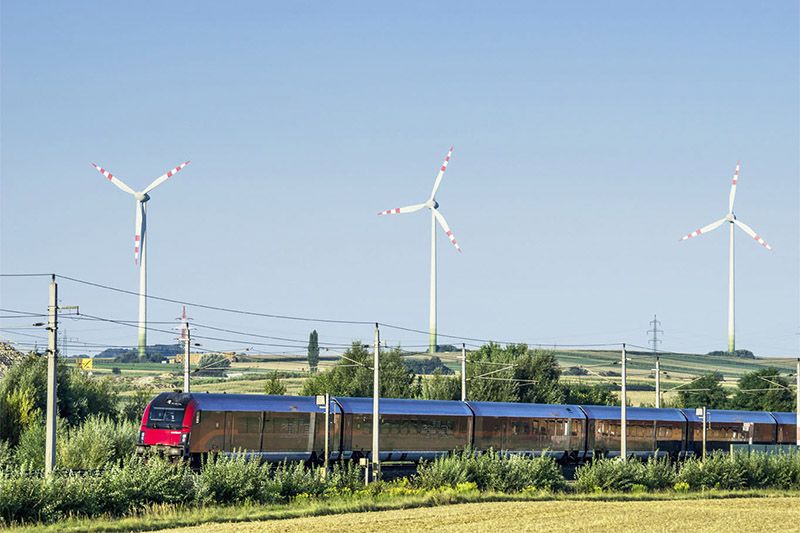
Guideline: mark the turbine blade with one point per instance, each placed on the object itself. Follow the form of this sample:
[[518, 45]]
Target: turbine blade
[[732, 195], [747, 229], [113, 179], [446, 228], [401, 210], [137, 236], [704, 229], [161, 179], [441, 173]]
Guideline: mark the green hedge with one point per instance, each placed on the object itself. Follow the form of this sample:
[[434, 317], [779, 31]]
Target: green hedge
[[131, 486], [491, 471]]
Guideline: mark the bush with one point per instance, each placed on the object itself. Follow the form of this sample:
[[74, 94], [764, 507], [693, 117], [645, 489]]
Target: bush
[[491, 471], [615, 475], [27, 496], [755, 470], [98, 442]]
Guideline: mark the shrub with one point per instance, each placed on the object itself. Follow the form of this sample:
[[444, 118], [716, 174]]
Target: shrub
[[609, 475], [606, 475], [491, 471], [229, 479], [6, 455]]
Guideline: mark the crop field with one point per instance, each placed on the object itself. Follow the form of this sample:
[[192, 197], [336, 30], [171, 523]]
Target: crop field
[[734, 514], [601, 366]]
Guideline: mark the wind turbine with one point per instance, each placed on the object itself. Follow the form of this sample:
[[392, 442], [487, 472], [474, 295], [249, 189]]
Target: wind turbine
[[139, 240], [433, 205], [733, 221]]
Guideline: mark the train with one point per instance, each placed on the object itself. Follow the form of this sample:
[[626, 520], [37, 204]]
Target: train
[[292, 428]]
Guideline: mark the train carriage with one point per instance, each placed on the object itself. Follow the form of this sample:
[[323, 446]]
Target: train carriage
[[410, 430], [787, 427], [557, 430], [729, 427], [650, 432]]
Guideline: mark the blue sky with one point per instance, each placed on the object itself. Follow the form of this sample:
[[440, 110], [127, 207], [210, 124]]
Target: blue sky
[[588, 139]]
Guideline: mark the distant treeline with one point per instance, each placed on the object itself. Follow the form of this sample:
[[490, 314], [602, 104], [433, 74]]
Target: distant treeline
[[155, 353], [746, 354]]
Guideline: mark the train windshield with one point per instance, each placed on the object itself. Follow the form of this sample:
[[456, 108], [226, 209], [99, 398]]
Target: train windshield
[[165, 417]]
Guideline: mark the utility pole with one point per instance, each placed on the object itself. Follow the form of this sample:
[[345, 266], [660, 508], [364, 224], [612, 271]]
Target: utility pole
[[702, 412], [186, 339], [376, 395], [797, 399], [327, 431], [658, 383], [52, 353], [463, 372], [624, 412], [654, 341]]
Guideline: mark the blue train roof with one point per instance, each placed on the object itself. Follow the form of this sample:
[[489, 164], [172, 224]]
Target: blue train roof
[[731, 417], [397, 406], [527, 410], [785, 418], [258, 402], [606, 412]]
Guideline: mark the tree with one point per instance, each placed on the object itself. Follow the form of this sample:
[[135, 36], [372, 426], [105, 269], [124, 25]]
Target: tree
[[427, 366], [441, 387], [539, 373], [705, 391], [514, 374], [599, 394], [352, 376], [752, 396], [23, 396], [213, 364], [274, 385], [489, 373], [313, 351]]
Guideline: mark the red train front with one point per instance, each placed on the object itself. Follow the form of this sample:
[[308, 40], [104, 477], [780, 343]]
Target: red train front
[[167, 425]]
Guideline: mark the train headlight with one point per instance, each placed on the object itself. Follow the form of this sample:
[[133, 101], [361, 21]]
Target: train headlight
[[184, 438], [141, 437]]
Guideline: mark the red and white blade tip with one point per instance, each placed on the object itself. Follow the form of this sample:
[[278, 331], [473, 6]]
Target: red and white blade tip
[[695, 233], [104, 172], [177, 169], [761, 241], [395, 211], [453, 240]]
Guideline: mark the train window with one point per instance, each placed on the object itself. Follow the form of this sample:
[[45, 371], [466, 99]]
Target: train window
[[165, 417]]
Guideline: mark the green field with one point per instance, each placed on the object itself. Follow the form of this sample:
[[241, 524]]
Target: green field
[[250, 376]]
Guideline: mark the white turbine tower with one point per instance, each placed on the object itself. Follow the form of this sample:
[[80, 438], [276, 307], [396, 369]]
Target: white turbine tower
[[433, 205], [139, 240], [733, 221]]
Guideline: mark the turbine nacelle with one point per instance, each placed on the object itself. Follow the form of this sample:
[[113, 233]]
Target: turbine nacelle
[[730, 217], [141, 196]]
